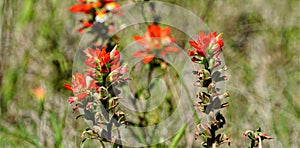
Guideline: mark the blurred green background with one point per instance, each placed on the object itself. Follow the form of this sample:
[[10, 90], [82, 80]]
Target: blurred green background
[[39, 40]]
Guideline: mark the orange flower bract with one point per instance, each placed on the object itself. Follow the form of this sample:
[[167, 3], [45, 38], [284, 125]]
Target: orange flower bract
[[39, 93], [156, 41], [204, 41]]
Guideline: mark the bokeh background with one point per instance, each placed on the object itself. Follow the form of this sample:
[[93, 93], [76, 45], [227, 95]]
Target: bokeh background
[[39, 40]]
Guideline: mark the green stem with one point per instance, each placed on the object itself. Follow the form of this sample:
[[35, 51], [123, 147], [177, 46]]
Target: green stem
[[252, 144], [102, 144], [178, 136]]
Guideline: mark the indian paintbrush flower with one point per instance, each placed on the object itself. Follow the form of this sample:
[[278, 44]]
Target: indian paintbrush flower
[[39, 93], [210, 44], [156, 41], [97, 11], [80, 87], [207, 50], [95, 95]]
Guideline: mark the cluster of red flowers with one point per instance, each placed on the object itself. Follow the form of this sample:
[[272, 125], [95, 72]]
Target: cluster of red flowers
[[100, 62], [208, 48], [204, 44], [101, 58], [94, 92], [80, 87], [156, 41], [96, 9]]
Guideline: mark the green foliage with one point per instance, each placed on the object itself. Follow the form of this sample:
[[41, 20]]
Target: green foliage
[[58, 124], [178, 136]]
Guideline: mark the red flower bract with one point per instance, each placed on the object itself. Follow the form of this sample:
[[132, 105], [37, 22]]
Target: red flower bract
[[204, 41], [68, 87], [81, 96], [84, 7], [80, 88], [156, 40], [105, 61], [96, 57], [79, 82], [91, 57], [97, 11], [148, 58], [71, 100], [104, 57]]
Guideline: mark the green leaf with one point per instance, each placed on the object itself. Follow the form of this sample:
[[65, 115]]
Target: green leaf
[[83, 142], [178, 136]]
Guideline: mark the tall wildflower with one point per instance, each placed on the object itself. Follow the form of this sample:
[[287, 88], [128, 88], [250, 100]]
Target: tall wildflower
[[95, 96], [207, 49]]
